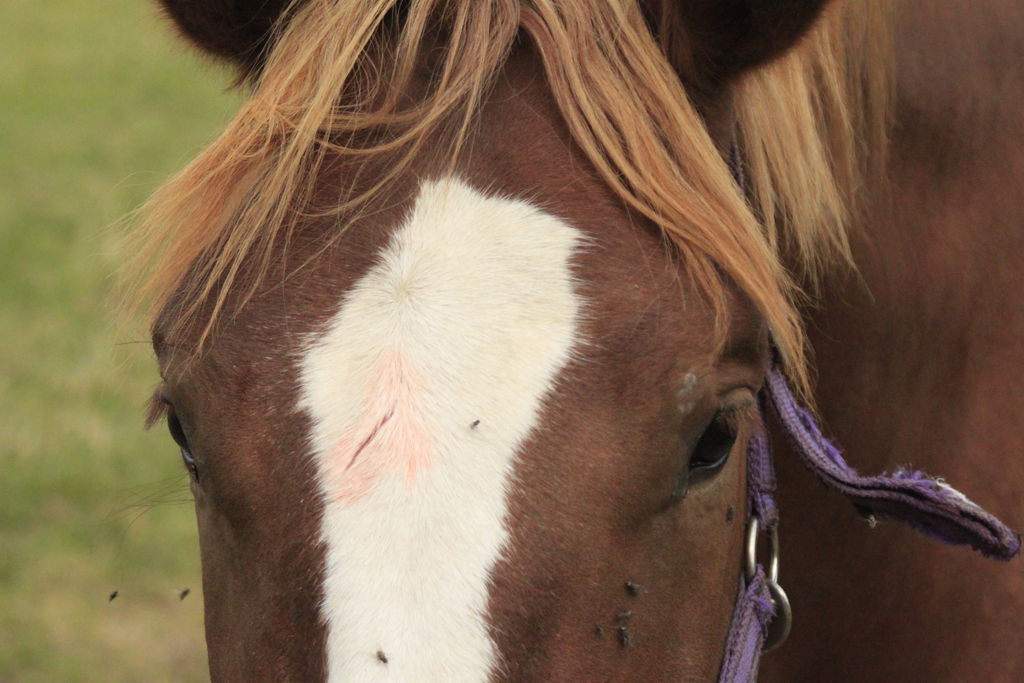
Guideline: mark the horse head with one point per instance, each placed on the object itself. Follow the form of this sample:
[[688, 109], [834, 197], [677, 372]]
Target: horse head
[[470, 414]]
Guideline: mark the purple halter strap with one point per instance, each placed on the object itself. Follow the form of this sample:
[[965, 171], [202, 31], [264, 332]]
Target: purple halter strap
[[925, 503], [762, 616]]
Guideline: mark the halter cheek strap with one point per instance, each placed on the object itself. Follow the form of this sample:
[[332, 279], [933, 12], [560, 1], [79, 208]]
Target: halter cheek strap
[[761, 617], [926, 503]]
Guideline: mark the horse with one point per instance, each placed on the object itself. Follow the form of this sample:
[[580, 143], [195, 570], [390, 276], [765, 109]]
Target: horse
[[916, 361], [465, 318]]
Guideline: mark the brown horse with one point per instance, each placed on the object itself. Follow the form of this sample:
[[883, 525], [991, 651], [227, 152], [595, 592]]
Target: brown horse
[[919, 361], [461, 319]]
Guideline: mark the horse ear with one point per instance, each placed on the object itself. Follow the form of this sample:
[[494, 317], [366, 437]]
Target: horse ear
[[730, 37], [236, 30]]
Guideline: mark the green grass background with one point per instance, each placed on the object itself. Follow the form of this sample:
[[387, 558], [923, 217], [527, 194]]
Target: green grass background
[[99, 101]]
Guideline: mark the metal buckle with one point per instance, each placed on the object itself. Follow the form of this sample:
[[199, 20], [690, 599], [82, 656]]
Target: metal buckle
[[780, 625]]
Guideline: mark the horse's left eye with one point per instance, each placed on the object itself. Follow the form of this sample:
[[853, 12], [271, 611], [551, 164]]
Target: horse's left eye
[[178, 434], [711, 452], [714, 446]]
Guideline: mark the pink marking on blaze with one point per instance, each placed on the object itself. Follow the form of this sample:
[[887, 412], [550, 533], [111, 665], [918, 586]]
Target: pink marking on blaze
[[367, 440], [389, 438]]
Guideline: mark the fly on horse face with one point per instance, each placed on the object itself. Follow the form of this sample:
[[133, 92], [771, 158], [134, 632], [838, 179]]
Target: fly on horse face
[[472, 322]]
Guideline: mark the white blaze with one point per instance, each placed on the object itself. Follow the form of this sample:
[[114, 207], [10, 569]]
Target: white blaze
[[468, 315]]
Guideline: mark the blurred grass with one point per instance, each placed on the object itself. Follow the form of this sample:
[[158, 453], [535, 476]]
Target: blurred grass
[[98, 103]]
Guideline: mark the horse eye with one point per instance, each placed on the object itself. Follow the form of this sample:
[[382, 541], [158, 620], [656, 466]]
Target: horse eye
[[710, 453], [714, 446], [178, 434]]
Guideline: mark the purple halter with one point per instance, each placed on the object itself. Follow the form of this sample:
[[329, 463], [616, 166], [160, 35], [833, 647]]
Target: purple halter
[[761, 617]]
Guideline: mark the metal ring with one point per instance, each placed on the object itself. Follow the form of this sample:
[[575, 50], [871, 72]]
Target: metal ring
[[750, 549], [773, 559], [778, 628], [750, 554], [782, 622]]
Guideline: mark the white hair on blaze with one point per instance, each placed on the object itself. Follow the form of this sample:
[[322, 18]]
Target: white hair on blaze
[[421, 391]]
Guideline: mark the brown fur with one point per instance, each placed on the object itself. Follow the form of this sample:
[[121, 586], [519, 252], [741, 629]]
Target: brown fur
[[595, 507], [338, 81], [921, 362], [721, 39], [609, 517]]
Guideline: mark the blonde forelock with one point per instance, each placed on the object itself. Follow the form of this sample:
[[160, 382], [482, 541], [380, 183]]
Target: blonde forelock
[[340, 69]]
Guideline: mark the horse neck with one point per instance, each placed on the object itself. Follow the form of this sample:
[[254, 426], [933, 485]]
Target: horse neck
[[932, 331], [918, 361]]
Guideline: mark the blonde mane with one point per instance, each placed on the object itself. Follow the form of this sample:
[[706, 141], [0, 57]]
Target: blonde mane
[[805, 125]]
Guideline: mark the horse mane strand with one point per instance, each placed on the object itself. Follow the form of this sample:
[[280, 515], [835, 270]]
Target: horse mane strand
[[337, 80]]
